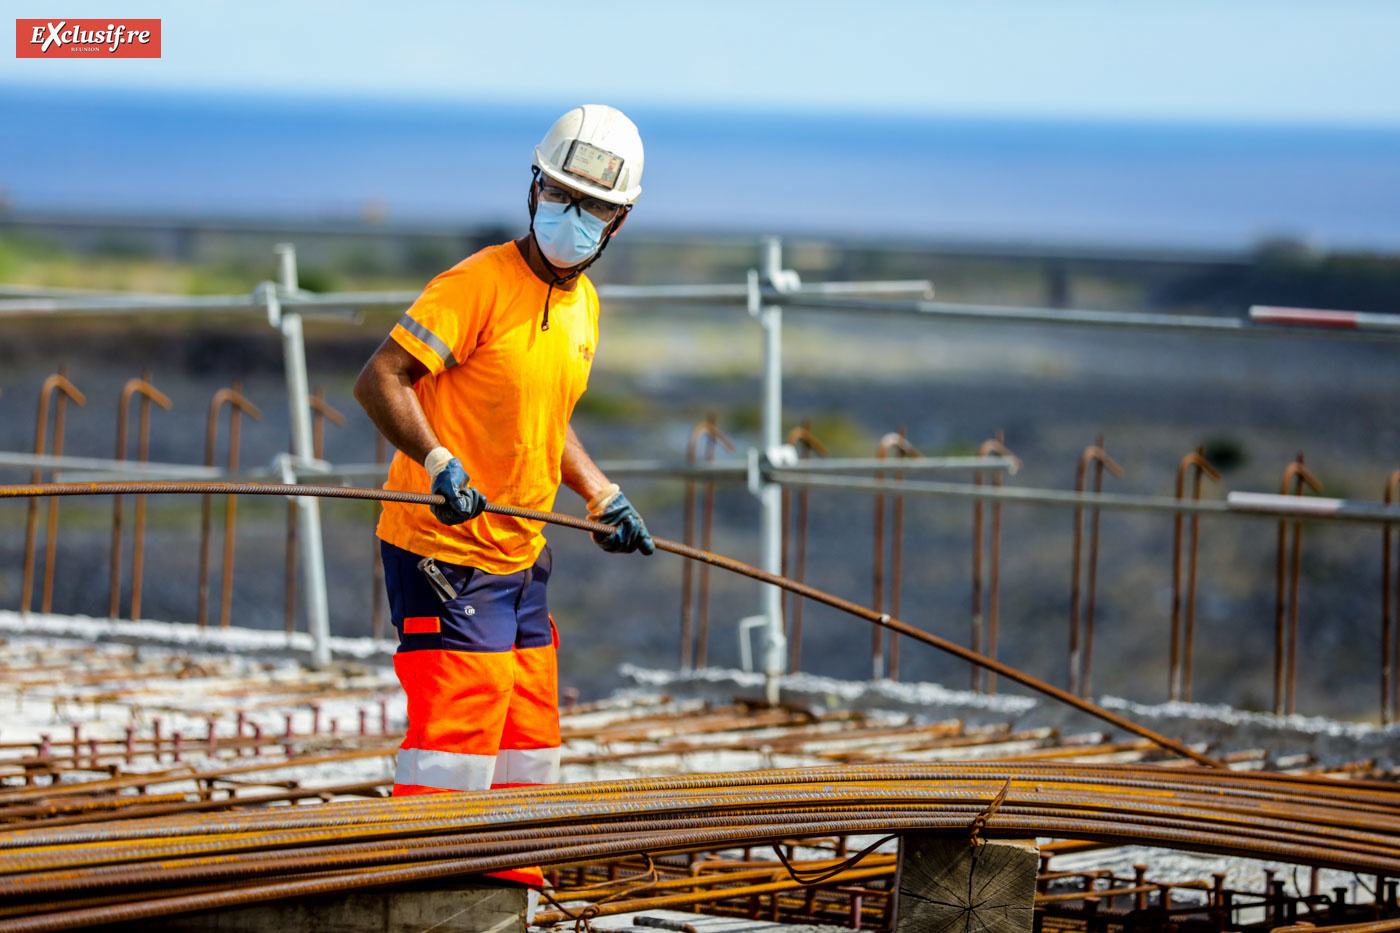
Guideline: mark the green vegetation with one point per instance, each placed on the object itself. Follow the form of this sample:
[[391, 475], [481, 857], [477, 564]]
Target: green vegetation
[[843, 435], [602, 405]]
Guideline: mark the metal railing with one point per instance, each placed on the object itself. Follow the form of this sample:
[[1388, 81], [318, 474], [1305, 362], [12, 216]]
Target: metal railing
[[766, 470]]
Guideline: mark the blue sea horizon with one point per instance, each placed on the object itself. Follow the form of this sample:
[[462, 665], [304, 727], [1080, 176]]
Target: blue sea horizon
[[1209, 186]]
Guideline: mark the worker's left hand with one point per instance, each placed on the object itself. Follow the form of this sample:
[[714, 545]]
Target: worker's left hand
[[631, 533]]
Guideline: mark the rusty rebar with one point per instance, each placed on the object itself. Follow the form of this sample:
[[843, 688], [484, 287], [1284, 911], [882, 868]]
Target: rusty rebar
[[1179, 671], [148, 393], [151, 868], [238, 405], [695, 648], [1295, 477], [985, 681], [1390, 614], [896, 567], [1081, 661], [882, 619], [895, 440], [58, 382], [321, 410], [805, 442]]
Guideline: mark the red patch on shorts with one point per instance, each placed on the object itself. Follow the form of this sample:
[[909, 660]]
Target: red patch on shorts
[[422, 625]]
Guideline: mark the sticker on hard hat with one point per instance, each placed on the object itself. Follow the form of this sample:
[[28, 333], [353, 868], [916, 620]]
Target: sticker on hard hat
[[595, 164]]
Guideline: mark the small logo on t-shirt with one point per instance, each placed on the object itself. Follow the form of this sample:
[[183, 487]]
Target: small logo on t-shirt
[[585, 351]]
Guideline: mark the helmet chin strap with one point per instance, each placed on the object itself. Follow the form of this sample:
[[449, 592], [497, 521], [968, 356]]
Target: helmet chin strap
[[558, 278]]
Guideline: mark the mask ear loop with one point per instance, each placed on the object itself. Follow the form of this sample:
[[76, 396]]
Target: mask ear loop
[[561, 279]]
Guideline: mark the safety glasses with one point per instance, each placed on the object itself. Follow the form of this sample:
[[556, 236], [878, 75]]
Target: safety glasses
[[603, 210]]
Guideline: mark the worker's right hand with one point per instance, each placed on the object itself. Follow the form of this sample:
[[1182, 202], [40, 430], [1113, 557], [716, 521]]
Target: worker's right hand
[[450, 480]]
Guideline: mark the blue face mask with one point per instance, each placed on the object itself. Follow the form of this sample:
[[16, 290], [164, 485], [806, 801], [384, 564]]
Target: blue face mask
[[567, 236]]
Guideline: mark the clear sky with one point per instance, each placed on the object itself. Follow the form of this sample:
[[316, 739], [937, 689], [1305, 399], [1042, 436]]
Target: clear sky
[[1289, 61]]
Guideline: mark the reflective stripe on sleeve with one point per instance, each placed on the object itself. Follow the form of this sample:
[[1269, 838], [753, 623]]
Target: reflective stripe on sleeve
[[527, 766], [447, 770], [430, 339]]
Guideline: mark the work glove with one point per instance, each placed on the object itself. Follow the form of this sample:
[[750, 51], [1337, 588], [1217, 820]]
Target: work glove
[[450, 481], [612, 508]]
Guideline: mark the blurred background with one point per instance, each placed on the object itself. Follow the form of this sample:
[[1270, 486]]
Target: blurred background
[[1183, 157]]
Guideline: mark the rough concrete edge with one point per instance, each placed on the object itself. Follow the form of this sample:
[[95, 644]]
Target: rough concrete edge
[[181, 635], [722, 684], [1329, 741]]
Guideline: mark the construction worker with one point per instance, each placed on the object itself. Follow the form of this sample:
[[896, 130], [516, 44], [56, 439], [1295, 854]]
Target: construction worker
[[475, 386]]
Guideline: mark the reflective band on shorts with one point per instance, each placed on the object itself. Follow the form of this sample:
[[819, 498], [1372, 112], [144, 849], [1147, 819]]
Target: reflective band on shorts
[[527, 766], [430, 339], [447, 770]]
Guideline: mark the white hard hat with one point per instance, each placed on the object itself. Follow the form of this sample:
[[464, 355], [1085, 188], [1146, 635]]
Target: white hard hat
[[595, 149]]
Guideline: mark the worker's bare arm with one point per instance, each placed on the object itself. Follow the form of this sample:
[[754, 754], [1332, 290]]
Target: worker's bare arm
[[578, 470], [385, 390]]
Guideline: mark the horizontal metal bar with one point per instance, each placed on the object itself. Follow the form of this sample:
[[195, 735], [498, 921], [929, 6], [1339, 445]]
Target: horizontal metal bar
[[11, 290], [1009, 314], [1310, 317], [92, 469], [899, 465], [190, 474], [739, 292], [113, 303], [106, 469], [1271, 503], [716, 292], [1252, 504], [130, 304], [919, 287], [720, 471], [1242, 504]]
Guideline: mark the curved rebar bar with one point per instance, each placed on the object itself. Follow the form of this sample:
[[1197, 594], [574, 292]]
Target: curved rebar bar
[[882, 619], [74, 877]]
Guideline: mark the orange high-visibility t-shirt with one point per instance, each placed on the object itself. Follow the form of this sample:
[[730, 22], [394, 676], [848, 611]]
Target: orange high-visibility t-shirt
[[498, 394]]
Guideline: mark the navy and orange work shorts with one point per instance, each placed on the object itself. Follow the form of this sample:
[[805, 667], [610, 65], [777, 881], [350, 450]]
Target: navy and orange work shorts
[[481, 675]]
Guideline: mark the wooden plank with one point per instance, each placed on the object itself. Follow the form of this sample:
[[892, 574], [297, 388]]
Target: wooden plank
[[442, 909]]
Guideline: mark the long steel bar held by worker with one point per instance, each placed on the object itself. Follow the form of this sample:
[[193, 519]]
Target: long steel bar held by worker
[[1183, 644], [882, 619], [148, 394], [56, 383], [238, 406]]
